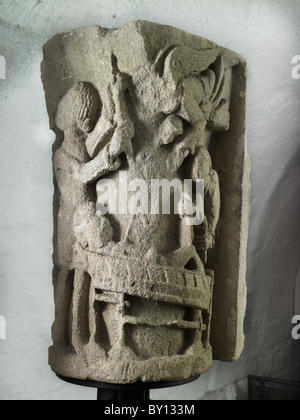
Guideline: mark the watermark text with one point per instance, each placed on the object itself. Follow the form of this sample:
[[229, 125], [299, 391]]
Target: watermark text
[[296, 329], [296, 68], [2, 328], [2, 67], [138, 196]]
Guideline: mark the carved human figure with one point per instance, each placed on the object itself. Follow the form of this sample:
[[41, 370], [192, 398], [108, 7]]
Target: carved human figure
[[77, 116], [204, 235]]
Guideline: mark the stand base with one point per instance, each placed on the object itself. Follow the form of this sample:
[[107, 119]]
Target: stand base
[[139, 391]]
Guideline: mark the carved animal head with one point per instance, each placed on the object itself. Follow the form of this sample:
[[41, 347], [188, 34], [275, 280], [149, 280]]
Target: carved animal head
[[204, 81]]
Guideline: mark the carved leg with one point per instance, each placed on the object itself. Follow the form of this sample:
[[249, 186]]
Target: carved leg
[[63, 293], [81, 309]]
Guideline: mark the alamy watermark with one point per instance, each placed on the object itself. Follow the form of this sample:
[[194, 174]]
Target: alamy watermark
[[2, 67], [296, 68], [137, 196], [2, 328], [296, 329]]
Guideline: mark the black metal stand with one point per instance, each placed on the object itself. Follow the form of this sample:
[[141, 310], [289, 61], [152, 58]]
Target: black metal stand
[[139, 391]]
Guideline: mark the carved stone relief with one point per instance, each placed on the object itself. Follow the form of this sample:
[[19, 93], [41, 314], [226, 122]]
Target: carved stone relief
[[146, 295]]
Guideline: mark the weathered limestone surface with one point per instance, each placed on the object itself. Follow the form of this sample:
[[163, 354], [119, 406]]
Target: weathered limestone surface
[[146, 296]]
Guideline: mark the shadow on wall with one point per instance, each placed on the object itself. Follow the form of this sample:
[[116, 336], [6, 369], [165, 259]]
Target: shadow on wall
[[272, 282]]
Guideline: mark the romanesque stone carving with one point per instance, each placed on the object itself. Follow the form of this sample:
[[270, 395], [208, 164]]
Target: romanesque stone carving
[[145, 292]]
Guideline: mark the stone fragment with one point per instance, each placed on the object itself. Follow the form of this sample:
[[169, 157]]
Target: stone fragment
[[149, 277]]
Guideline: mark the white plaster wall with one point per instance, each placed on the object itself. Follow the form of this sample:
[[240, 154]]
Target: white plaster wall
[[267, 33]]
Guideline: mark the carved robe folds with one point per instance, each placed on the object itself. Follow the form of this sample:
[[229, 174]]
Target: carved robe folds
[[146, 296]]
